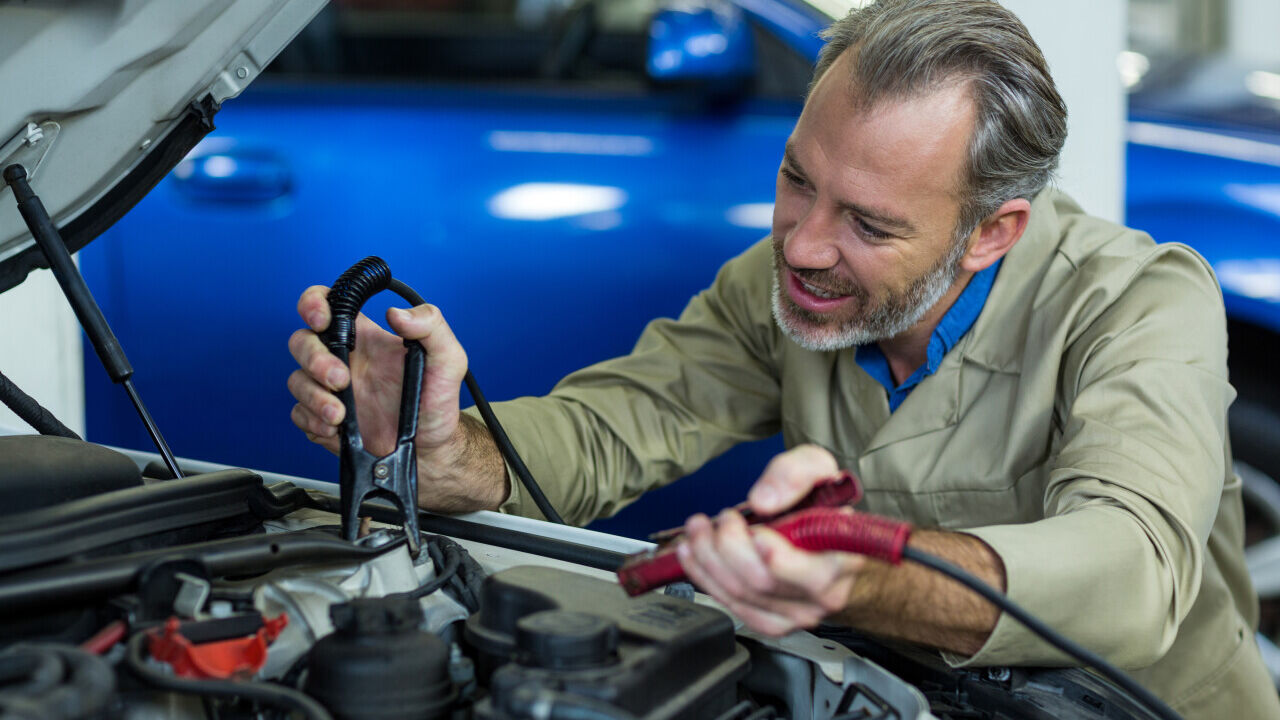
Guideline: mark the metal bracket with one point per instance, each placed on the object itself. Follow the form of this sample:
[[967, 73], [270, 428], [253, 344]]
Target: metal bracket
[[29, 146], [232, 79], [192, 595]]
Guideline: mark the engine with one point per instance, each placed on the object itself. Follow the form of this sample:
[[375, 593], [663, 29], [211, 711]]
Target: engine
[[222, 596]]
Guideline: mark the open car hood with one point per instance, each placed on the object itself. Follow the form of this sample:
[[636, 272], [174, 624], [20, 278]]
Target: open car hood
[[99, 100]]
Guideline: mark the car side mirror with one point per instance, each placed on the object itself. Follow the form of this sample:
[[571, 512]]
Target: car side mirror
[[701, 42]]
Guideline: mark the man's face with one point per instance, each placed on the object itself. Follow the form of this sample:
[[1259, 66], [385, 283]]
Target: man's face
[[865, 213]]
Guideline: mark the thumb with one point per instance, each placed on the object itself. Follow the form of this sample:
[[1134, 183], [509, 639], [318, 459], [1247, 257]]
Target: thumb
[[789, 477]]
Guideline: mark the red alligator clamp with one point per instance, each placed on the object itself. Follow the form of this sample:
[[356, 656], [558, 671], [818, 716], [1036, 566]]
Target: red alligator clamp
[[843, 489], [821, 521]]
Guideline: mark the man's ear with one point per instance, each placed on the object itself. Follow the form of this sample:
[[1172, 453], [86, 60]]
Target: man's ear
[[996, 235]]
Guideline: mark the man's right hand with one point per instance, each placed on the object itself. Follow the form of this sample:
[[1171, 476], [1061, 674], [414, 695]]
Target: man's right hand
[[459, 467]]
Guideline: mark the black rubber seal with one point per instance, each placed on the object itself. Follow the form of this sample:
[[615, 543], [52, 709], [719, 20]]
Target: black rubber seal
[[190, 129]]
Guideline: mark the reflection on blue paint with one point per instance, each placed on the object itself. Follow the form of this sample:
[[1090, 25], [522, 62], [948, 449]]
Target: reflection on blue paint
[[549, 201], [1258, 279]]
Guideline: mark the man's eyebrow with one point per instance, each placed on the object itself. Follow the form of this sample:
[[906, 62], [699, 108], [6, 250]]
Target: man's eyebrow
[[882, 219]]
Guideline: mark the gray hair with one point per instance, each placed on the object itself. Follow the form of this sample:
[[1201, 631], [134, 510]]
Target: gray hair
[[908, 47]]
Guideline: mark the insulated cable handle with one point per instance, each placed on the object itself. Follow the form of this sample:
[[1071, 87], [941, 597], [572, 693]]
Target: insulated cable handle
[[348, 294], [816, 529]]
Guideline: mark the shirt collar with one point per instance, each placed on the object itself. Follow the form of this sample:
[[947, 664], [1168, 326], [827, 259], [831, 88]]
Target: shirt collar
[[957, 321], [961, 316]]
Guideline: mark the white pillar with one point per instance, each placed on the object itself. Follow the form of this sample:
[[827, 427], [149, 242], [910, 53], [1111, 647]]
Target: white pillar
[[40, 351], [1081, 41], [1253, 27]]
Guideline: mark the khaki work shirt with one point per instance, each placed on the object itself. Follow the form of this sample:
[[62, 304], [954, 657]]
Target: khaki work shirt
[[1078, 428]]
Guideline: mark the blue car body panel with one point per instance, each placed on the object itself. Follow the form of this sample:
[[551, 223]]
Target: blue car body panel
[[549, 226], [548, 238], [1220, 197]]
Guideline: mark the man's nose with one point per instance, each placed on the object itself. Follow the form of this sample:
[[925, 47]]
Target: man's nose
[[811, 244]]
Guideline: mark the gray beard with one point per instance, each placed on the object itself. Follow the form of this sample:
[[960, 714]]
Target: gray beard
[[894, 316]]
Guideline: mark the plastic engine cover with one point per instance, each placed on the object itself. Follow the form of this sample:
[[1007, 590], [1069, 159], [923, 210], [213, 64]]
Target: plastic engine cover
[[573, 640]]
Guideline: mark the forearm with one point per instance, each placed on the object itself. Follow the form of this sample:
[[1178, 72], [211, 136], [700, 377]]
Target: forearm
[[914, 603], [467, 475]]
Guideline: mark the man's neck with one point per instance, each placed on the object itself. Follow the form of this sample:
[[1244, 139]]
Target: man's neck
[[908, 350]]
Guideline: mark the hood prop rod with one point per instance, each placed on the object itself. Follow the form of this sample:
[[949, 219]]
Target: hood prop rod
[[86, 308]]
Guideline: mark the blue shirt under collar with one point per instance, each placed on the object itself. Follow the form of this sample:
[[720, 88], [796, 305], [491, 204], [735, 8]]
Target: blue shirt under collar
[[954, 324]]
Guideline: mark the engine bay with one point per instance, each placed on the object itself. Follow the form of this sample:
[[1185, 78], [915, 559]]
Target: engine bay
[[230, 594]]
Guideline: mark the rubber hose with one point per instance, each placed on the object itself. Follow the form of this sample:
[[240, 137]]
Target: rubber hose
[[349, 293]]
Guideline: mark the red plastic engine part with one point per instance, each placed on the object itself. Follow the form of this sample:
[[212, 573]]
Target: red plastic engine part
[[106, 638], [220, 659]]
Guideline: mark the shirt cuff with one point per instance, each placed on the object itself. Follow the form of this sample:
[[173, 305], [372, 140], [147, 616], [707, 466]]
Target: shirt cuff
[[1088, 576]]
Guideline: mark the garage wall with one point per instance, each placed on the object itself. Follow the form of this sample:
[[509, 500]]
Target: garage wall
[[40, 349]]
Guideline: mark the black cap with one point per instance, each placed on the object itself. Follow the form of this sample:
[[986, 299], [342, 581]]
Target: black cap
[[565, 640]]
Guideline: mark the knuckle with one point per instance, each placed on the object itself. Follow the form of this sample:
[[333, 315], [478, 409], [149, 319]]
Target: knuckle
[[763, 584], [318, 397], [297, 341], [429, 312]]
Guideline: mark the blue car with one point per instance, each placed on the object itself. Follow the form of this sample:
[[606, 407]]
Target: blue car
[[552, 176]]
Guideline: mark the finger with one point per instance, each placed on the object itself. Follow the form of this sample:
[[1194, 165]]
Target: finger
[[315, 398], [317, 431], [789, 477], [737, 549], [703, 545], [771, 616], [824, 579], [316, 360], [694, 570], [446, 367], [313, 307], [762, 620]]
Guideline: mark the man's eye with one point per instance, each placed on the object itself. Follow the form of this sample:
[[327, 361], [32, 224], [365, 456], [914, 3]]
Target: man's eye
[[871, 230], [794, 179]]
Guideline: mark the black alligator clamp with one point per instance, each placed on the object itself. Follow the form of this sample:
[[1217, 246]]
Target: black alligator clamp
[[364, 475]]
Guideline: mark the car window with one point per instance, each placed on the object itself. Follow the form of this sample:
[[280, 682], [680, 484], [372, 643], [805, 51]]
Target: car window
[[474, 40], [556, 42]]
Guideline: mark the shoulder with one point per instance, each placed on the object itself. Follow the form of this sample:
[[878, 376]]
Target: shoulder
[[1112, 282], [1096, 263], [1108, 255]]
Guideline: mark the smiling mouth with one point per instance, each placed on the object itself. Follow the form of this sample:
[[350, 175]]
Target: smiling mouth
[[819, 292]]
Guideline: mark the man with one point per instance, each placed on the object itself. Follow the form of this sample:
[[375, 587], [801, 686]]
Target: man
[[1046, 389]]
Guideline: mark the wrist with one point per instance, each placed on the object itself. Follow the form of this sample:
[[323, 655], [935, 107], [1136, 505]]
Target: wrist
[[464, 474]]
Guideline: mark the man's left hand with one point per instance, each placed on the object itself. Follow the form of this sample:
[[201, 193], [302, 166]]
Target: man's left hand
[[767, 582]]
